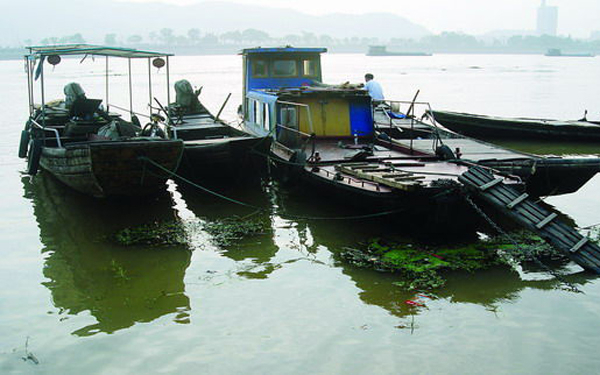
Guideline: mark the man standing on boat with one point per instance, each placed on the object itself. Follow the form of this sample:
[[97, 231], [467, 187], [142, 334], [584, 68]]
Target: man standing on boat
[[374, 89]]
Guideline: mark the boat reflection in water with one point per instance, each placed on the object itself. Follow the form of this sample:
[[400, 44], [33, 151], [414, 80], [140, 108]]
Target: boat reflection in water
[[253, 254], [86, 271], [487, 288]]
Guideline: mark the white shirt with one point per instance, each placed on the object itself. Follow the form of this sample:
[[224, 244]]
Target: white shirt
[[375, 90]]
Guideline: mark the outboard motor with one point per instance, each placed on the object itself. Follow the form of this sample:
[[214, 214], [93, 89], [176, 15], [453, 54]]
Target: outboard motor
[[187, 99], [73, 91]]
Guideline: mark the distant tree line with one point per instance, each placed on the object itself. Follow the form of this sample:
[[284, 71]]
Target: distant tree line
[[444, 42]]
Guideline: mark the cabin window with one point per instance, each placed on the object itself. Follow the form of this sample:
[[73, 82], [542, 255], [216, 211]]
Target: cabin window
[[310, 68], [260, 69], [285, 68], [289, 117]]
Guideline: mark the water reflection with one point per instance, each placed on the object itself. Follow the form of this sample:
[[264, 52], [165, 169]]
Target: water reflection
[[88, 272], [488, 288], [254, 252]]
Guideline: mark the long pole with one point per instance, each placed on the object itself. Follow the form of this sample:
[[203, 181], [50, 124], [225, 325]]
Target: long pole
[[130, 90], [107, 102], [222, 107], [28, 67], [150, 85], [168, 84], [43, 93]]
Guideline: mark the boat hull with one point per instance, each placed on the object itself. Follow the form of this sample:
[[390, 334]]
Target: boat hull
[[113, 168], [478, 126], [223, 156]]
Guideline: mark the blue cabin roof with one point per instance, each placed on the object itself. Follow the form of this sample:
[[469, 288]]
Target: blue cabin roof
[[288, 49]]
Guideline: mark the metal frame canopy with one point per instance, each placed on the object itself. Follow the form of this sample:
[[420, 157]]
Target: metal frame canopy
[[90, 49], [38, 54]]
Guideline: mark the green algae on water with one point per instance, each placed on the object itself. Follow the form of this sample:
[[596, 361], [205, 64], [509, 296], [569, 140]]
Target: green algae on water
[[170, 233], [421, 268], [225, 232]]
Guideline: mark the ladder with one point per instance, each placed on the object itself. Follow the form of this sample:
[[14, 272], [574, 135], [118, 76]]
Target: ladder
[[383, 174], [523, 210]]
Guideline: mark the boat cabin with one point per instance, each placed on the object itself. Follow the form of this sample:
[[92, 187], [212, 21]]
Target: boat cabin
[[284, 97]]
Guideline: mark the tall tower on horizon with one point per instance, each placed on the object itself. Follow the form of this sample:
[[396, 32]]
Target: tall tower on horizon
[[547, 20]]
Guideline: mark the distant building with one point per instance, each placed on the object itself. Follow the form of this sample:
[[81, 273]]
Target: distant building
[[547, 20]]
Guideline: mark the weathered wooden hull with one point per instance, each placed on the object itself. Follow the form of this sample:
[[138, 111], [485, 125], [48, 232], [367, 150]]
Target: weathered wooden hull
[[113, 168], [222, 156], [518, 128]]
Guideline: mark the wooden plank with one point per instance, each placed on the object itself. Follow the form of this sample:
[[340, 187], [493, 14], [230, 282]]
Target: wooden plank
[[490, 184], [517, 201], [547, 220], [579, 245]]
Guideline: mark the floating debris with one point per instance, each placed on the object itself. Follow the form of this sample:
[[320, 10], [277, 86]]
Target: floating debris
[[154, 234], [227, 231], [420, 267], [29, 356], [224, 232]]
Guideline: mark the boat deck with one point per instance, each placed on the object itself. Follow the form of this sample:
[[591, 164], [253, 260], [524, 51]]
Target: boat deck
[[471, 149], [339, 156]]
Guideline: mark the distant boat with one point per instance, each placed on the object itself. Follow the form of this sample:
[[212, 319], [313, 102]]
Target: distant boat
[[382, 51], [555, 52]]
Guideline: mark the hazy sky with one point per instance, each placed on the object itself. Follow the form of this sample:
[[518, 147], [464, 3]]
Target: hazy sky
[[576, 17]]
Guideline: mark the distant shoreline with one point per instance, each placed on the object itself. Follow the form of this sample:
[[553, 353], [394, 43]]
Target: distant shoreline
[[18, 53]]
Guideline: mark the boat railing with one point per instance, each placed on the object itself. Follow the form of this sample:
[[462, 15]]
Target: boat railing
[[416, 113], [296, 140], [52, 130]]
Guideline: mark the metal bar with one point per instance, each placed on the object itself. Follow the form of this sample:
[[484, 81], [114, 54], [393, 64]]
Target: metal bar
[[107, 106], [29, 85], [310, 124], [127, 110], [130, 88], [56, 133], [43, 92], [292, 130], [150, 84], [168, 84]]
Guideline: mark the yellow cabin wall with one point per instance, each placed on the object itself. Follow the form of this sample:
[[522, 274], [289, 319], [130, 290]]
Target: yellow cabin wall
[[330, 117]]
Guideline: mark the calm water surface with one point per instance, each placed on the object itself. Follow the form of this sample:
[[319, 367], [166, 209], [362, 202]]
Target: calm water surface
[[282, 302]]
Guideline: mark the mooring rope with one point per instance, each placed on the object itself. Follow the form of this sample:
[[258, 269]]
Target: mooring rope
[[257, 208]]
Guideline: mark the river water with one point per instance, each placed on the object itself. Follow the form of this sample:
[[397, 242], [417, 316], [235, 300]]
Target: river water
[[283, 302]]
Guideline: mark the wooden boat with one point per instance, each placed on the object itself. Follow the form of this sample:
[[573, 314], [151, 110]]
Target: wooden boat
[[382, 51], [422, 136], [211, 145], [87, 148], [324, 139], [480, 126]]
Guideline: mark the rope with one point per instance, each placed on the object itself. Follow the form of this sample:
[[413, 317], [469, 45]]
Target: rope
[[557, 275], [590, 226], [257, 208]]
